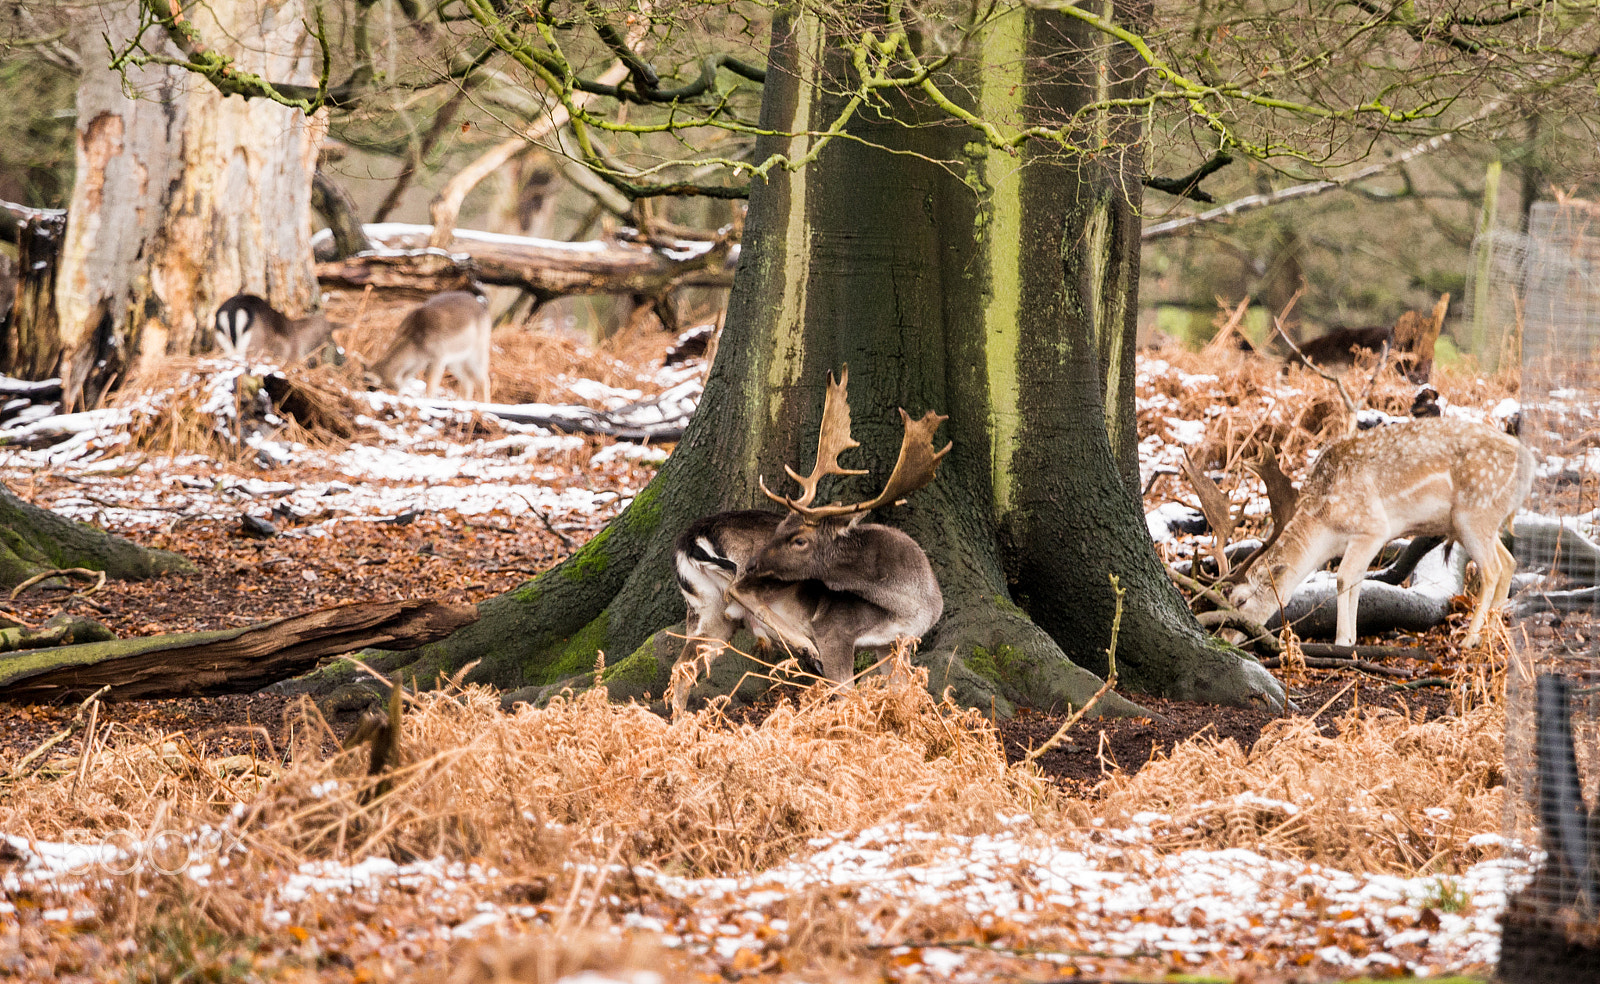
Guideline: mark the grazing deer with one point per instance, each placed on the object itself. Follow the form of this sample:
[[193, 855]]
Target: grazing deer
[[248, 326], [817, 581], [1439, 476], [448, 331]]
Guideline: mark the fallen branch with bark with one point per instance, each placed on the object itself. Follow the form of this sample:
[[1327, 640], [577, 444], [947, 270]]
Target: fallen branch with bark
[[404, 262], [226, 661]]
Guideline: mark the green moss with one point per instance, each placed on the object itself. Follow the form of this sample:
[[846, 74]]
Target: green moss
[[577, 656], [640, 673], [1445, 352], [1007, 606], [590, 560], [644, 515], [529, 592], [995, 663]]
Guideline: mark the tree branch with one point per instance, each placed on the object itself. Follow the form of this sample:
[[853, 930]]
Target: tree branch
[[1188, 186], [1310, 189]]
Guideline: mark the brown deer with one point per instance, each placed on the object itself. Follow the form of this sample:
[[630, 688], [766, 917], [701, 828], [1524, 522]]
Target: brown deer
[[248, 325], [818, 581], [448, 331], [1438, 476]]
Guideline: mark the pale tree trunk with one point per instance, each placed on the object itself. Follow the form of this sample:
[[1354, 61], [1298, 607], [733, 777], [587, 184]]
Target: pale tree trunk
[[998, 288], [183, 197]]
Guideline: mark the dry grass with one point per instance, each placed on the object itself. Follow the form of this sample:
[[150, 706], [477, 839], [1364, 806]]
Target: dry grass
[[700, 794], [525, 363], [170, 417], [1357, 801], [1288, 406]]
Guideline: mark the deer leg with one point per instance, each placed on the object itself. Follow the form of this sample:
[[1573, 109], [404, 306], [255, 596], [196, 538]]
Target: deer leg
[[435, 376], [707, 630], [1487, 556], [1358, 554], [1508, 567], [838, 658]]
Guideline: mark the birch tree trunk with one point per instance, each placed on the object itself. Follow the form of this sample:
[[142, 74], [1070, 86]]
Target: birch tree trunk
[[998, 288], [183, 197]]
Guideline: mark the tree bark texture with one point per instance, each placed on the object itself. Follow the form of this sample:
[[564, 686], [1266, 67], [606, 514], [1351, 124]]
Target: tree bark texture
[[34, 540], [183, 197], [31, 349], [992, 287]]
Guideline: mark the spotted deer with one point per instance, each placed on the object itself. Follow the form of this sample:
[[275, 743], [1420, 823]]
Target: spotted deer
[[248, 326], [815, 580], [1438, 476], [450, 331]]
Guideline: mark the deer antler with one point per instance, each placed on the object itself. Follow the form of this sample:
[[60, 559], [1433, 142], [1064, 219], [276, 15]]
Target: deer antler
[[1217, 509], [915, 468], [833, 439]]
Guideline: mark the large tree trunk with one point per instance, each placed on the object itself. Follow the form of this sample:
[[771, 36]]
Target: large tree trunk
[[183, 197], [995, 295]]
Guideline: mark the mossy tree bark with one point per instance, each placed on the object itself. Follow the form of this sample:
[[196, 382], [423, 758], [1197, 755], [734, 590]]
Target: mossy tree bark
[[997, 288], [183, 197], [33, 540]]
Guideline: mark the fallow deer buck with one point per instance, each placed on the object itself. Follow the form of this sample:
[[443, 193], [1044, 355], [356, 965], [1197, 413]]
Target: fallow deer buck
[[1438, 476], [248, 325], [450, 331], [818, 581]]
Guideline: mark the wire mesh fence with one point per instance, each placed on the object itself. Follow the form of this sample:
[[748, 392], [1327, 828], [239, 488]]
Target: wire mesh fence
[[1538, 294]]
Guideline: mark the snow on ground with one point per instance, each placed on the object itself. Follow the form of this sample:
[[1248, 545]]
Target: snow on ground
[[1105, 892], [413, 458]]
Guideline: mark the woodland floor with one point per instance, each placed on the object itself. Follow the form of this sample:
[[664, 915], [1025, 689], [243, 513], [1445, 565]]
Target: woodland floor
[[455, 546]]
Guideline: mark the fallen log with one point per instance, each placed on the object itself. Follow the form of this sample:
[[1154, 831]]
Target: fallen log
[[226, 661], [547, 269], [1441, 575], [1327, 650], [1547, 543]]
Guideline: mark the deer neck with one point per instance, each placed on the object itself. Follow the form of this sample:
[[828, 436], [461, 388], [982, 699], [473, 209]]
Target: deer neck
[[1304, 547]]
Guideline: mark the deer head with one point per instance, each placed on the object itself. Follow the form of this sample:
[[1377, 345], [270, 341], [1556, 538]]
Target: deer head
[[814, 541], [817, 581]]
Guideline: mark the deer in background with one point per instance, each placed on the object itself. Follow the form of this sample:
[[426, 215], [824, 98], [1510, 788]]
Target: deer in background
[[450, 331], [1438, 476], [248, 326], [817, 581]]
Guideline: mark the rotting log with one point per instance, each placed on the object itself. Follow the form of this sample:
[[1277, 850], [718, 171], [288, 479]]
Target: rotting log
[[403, 262], [225, 661]]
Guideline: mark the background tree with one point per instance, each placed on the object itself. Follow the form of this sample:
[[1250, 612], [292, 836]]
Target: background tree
[[183, 197]]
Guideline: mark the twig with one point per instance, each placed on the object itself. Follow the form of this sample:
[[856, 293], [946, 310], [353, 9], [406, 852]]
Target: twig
[[1210, 594], [1111, 680], [72, 727], [1432, 681], [1344, 394], [1383, 363], [1326, 663], [1217, 508], [87, 751], [566, 540], [81, 573]]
